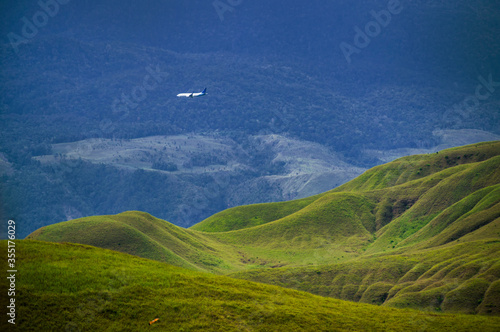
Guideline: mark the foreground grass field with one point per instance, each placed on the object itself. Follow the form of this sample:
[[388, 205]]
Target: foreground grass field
[[70, 287], [420, 232]]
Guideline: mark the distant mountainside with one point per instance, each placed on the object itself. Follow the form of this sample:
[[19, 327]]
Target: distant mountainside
[[182, 178], [72, 287], [420, 232], [111, 71]]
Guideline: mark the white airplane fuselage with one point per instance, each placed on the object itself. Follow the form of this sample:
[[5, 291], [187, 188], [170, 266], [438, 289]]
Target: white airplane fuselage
[[193, 94]]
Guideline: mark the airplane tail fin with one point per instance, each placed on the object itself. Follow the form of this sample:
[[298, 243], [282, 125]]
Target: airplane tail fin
[[204, 91]]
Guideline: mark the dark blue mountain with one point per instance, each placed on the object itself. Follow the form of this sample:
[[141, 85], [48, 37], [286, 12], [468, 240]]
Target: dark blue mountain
[[351, 76]]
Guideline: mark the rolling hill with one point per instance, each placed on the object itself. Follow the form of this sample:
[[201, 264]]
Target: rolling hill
[[420, 232], [72, 287]]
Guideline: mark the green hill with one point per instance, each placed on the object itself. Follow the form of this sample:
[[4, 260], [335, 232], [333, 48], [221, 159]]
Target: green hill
[[71, 287], [420, 232], [141, 234], [460, 278]]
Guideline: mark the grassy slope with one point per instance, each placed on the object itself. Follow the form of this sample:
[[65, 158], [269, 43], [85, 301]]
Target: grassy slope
[[452, 189], [238, 218], [391, 213], [78, 287], [452, 210], [439, 279], [419, 166], [141, 234]]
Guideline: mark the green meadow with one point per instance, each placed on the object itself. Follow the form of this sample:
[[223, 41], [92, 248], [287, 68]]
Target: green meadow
[[72, 287], [420, 233]]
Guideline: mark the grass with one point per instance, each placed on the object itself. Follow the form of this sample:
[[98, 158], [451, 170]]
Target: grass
[[141, 234], [399, 280], [78, 287], [420, 232], [237, 218], [408, 168]]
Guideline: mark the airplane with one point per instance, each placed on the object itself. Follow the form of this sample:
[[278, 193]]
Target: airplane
[[192, 95]]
